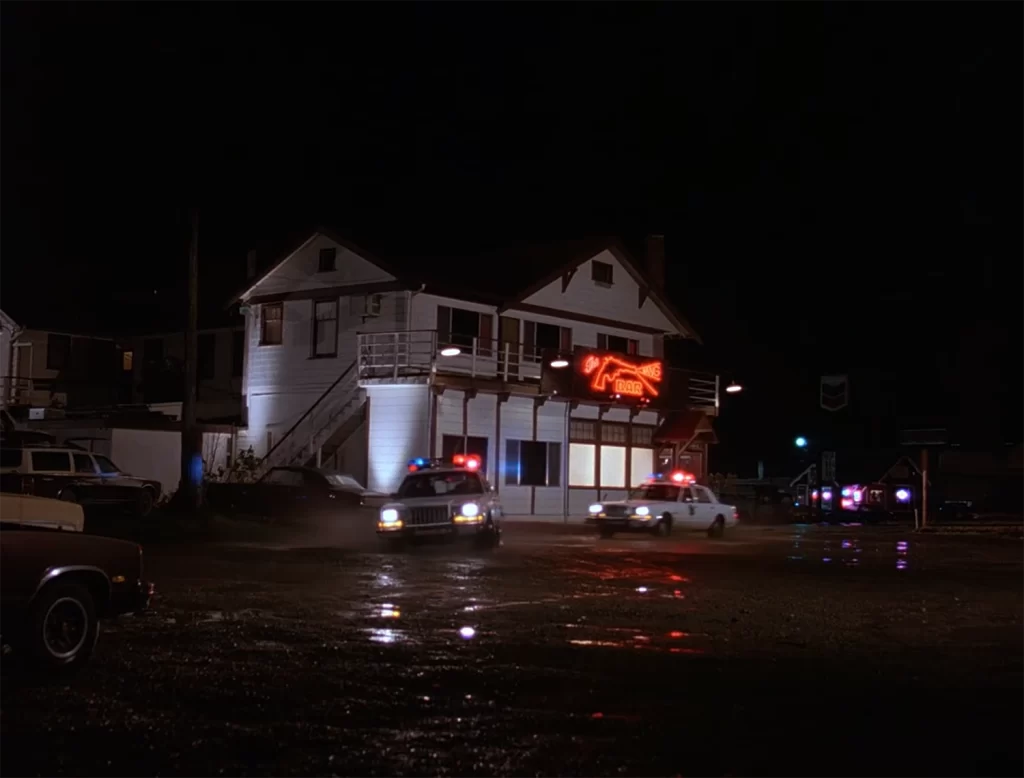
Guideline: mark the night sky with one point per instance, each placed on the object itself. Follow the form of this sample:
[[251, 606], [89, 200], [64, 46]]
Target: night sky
[[839, 184]]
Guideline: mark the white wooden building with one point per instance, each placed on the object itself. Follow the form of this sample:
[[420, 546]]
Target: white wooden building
[[354, 364]]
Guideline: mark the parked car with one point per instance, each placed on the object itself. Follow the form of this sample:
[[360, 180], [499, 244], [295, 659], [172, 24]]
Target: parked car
[[74, 475], [290, 492], [56, 586], [29, 511]]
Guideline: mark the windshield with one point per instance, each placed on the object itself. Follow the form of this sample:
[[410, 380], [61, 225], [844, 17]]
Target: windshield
[[440, 484], [660, 492], [344, 481]]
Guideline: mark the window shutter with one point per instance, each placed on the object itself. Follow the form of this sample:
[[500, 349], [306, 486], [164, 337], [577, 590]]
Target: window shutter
[[566, 339], [444, 324]]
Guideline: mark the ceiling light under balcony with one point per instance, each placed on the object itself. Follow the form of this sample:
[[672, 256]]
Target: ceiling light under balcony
[[451, 351], [559, 362], [733, 388]]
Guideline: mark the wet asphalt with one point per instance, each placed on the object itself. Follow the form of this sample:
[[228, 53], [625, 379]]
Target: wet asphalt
[[775, 651]]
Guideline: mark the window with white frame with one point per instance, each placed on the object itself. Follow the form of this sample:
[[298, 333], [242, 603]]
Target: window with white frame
[[272, 324], [607, 342], [609, 455], [325, 328]]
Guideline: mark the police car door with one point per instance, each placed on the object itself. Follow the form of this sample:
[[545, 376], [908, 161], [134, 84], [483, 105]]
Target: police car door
[[689, 517], [706, 507]]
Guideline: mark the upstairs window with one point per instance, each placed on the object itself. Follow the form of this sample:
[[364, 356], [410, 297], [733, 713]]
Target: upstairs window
[[622, 345], [272, 324], [458, 327], [602, 273], [325, 328], [328, 261]]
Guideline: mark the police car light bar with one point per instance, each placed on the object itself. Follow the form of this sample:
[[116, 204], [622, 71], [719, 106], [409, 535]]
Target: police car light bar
[[470, 462]]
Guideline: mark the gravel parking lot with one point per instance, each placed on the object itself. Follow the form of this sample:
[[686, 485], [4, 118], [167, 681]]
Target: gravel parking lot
[[845, 650]]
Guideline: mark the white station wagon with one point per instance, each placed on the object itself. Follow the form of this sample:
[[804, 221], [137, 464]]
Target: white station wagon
[[662, 505]]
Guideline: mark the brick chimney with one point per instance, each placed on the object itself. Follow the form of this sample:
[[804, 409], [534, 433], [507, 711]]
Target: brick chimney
[[250, 265], [656, 260]]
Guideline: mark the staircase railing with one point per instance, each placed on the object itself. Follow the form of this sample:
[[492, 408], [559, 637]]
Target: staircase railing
[[329, 409]]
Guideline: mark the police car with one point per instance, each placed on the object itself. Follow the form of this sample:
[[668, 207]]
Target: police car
[[663, 504], [439, 497]]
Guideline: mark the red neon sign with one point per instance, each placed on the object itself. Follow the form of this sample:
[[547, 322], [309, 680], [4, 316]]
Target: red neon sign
[[615, 375]]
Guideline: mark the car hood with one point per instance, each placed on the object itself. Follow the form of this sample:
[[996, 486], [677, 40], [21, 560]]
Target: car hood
[[441, 500]]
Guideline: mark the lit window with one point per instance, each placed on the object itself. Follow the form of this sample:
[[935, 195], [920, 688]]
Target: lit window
[[272, 323], [582, 457], [613, 467], [126, 361], [641, 465]]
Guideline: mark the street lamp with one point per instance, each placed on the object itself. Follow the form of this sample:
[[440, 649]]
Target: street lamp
[[801, 442]]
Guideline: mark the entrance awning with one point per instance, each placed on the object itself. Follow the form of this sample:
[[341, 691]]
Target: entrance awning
[[686, 427]]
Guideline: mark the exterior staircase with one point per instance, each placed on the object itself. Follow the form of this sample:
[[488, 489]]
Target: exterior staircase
[[323, 428]]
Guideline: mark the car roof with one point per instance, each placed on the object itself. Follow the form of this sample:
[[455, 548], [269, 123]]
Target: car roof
[[443, 470]]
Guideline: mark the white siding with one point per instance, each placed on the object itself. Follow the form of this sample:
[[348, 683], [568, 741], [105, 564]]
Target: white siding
[[617, 302], [399, 431], [283, 381], [299, 273], [516, 424]]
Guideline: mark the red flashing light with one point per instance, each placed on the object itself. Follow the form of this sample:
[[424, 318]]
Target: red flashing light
[[468, 461], [459, 459], [682, 477], [413, 468], [473, 463]]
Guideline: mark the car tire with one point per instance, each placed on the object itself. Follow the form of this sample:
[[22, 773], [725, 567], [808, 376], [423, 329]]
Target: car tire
[[606, 532], [717, 528], [62, 628], [664, 527], [144, 503], [490, 537]]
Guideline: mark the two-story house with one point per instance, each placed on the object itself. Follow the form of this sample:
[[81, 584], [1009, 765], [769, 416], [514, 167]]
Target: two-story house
[[558, 382]]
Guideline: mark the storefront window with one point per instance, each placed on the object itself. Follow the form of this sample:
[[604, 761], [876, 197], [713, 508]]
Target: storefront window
[[582, 457], [641, 465], [613, 467]]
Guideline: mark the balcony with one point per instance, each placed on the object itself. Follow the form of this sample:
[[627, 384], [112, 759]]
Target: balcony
[[418, 356]]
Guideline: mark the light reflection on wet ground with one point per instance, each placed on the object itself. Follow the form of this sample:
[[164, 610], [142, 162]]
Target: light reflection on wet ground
[[646, 657]]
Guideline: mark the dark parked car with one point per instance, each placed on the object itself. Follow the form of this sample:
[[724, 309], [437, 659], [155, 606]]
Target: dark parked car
[[290, 492], [55, 587], [73, 474]]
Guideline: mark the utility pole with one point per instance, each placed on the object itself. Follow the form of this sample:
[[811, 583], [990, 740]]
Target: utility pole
[[191, 442]]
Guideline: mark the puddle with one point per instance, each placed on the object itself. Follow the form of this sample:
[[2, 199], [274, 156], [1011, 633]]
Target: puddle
[[675, 641]]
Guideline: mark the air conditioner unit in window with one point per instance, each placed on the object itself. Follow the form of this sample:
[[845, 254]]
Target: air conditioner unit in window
[[373, 305]]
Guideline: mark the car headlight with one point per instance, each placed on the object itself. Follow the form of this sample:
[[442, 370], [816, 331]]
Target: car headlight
[[470, 509], [596, 508], [388, 516], [643, 510]]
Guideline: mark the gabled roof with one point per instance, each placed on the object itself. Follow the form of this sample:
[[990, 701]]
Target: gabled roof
[[7, 322], [473, 276], [327, 233], [566, 256]]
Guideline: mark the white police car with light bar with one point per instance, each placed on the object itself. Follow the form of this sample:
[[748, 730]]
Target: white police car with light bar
[[662, 504], [442, 497]]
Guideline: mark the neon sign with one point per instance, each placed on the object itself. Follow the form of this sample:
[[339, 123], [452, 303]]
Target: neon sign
[[615, 375]]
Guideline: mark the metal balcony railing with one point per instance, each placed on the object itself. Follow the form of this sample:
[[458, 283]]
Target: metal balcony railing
[[405, 354]]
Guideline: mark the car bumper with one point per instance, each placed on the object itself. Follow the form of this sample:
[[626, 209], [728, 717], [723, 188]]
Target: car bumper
[[133, 600], [623, 524], [427, 530]]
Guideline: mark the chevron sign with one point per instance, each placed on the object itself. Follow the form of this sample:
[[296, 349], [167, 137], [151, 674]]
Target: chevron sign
[[835, 392]]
